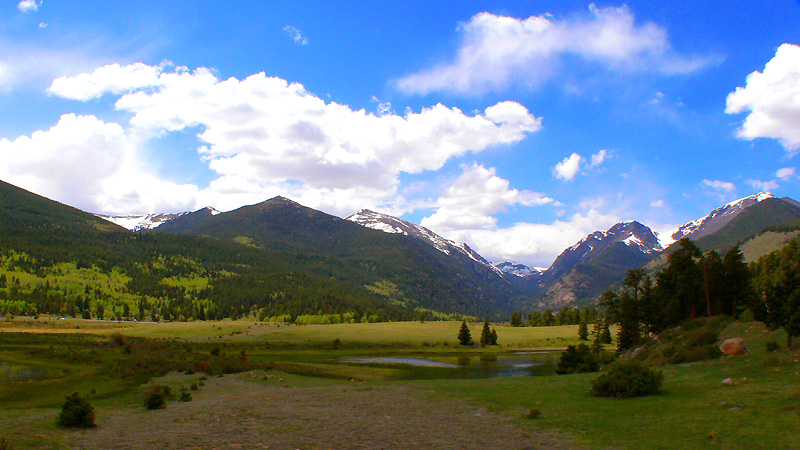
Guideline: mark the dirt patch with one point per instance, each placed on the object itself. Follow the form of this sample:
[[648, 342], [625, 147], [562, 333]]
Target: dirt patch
[[231, 413]]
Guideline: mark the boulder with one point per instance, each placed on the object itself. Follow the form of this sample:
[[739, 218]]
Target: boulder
[[733, 346], [727, 382]]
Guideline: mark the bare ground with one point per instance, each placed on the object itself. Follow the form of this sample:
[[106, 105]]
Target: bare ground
[[233, 413]]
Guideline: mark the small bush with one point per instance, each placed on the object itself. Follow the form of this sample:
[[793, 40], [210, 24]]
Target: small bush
[[156, 397], [772, 346], [185, 396], [5, 445], [76, 413], [627, 378], [532, 414], [194, 387]]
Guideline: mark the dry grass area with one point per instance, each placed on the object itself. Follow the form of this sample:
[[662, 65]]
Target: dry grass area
[[232, 413]]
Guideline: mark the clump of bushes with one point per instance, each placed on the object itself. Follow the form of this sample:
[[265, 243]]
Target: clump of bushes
[[156, 396], [186, 396], [627, 377], [76, 413], [694, 340], [578, 359]]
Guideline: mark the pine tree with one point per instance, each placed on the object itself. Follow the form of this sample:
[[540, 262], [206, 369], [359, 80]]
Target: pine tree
[[464, 336], [597, 331], [486, 334], [494, 337], [605, 333], [583, 331]]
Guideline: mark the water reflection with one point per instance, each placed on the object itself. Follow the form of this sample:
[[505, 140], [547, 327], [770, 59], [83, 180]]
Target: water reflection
[[467, 366]]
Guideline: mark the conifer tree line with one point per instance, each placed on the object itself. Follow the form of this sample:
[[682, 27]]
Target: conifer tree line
[[694, 284], [567, 315]]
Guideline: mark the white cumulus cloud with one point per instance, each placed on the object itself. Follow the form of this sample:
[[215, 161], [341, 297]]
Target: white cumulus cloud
[[113, 78], [772, 98], [568, 167], [718, 185], [296, 34], [499, 51], [472, 199], [770, 185], [599, 158], [785, 173], [29, 5], [85, 162]]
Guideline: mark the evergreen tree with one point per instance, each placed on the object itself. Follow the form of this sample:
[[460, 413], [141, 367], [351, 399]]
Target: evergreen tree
[[464, 336], [494, 337], [778, 283], [583, 331], [736, 284], [597, 330], [605, 333], [486, 334], [628, 334]]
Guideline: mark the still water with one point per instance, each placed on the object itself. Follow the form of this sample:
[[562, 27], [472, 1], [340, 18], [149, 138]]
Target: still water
[[522, 364]]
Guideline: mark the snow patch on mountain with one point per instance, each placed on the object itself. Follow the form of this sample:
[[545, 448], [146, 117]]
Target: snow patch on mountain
[[519, 270], [140, 222]]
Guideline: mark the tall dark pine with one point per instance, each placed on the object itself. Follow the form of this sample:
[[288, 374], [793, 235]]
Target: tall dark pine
[[464, 336], [486, 334], [737, 292]]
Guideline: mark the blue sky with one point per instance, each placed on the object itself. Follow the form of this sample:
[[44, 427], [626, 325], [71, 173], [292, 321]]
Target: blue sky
[[518, 127]]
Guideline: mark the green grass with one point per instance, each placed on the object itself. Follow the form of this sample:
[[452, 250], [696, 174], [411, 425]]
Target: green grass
[[692, 411]]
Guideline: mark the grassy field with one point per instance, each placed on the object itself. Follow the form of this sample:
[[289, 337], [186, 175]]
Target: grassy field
[[112, 363]]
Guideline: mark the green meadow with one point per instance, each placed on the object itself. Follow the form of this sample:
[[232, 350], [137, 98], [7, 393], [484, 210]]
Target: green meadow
[[230, 363]]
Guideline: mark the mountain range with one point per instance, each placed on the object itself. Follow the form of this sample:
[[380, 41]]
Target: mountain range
[[362, 262], [579, 274]]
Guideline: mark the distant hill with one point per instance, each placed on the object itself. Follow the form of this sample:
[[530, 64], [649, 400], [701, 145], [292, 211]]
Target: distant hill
[[423, 275], [20, 209], [70, 261]]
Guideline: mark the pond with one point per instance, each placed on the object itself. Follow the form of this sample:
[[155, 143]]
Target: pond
[[521, 364]]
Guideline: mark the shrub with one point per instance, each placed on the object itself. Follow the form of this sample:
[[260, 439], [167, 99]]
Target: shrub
[[627, 378], [156, 397], [772, 345], [532, 414], [76, 413], [578, 359], [5, 445], [185, 396]]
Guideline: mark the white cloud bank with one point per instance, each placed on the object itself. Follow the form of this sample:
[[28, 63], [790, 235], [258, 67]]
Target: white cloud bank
[[465, 212], [772, 98], [264, 136], [498, 51], [92, 165]]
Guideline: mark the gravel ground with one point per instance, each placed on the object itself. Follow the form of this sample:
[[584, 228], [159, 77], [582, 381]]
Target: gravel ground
[[234, 413]]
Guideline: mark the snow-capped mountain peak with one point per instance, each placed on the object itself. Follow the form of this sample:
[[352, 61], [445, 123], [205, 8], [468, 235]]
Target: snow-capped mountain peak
[[714, 220], [390, 224]]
